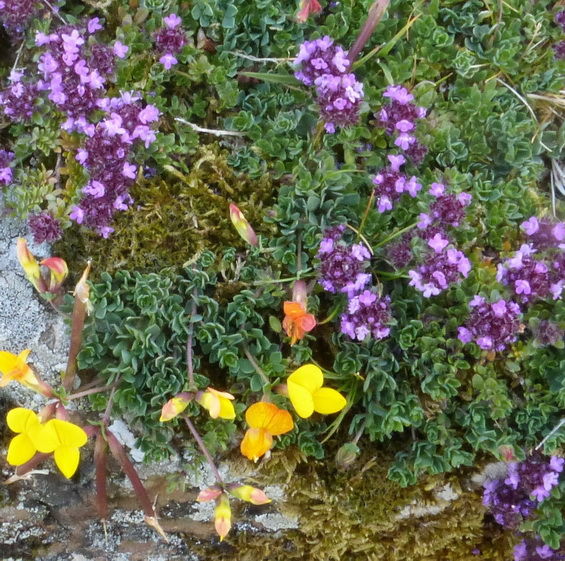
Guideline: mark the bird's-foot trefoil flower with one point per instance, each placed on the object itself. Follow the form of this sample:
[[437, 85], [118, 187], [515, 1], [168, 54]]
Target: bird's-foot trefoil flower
[[23, 447], [218, 404], [175, 406], [63, 439], [297, 322], [222, 516], [30, 266], [242, 226], [14, 367], [265, 421], [209, 494], [307, 394]]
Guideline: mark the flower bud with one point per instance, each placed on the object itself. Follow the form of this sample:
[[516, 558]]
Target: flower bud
[[82, 290], [175, 406], [248, 494], [58, 272], [346, 456], [209, 494], [243, 227], [222, 516], [30, 266]]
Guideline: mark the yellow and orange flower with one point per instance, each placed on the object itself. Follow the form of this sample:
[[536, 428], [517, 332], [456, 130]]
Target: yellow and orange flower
[[222, 516], [265, 420], [15, 368], [297, 322], [175, 406], [308, 7], [218, 404], [242, 226]]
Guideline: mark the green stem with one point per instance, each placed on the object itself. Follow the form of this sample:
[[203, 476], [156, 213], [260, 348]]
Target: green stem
[[255, 365], [396, 234], [365, 214]]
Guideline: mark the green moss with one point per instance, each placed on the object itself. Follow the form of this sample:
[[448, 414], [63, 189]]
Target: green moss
[[174, 219], [356, 515]]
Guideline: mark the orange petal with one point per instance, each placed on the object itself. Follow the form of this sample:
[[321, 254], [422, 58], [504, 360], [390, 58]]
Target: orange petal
[[280, 423], [255, 443], [293, 310]]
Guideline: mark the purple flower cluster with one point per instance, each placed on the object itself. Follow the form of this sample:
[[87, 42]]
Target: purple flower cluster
[[547, 333], [445, 209], [442, 268], [106, 156], [342, 266], [75, 72], [528, 483], [491, 326], [527, 277], [18, 101], [533, 549], [342, 270], [5, 169], [170, 40], [368, 314], [559, 48], [401, 118], [16, 14], [544, 233], [45, 227], [339, 94], [390, 183], [400, 253]]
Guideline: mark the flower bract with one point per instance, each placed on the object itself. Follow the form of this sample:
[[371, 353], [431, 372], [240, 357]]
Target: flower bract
[[307, 394]]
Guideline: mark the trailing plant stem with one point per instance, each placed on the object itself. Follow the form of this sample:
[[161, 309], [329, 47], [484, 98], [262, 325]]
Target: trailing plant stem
[[202, 447]]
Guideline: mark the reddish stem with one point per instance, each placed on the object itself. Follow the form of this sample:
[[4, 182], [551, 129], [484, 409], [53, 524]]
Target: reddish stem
[[202, 446], [100, 452], [376, 12]]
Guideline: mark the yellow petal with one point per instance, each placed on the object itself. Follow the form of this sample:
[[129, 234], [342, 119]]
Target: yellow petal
[[210, 402], [262, 415], [308, 376], [301, 399], [8, 362], [56, 434], [67, 460], [227, 410], [327, 401], [255, 443], [21, 450], [22, 420]]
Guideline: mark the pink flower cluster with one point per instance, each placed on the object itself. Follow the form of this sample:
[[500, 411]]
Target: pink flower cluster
[[443, 267], [339, 94], [390, 183], [400, 119], [170, 40], [16, 14], [5, 169]]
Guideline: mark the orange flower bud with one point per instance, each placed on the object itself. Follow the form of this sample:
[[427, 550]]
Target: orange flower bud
[[209, 494], [58, 272], [30, 266], [175, 406], [248, 494], [243, 227], [308, 7], [222, 516]]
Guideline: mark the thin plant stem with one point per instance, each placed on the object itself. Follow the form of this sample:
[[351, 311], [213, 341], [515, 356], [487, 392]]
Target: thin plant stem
[[202, 447], [287, 279], [365, 214], [106, 416], [215, 132], [189, 361], [362, 237], [18, 56], [559, 425], [255, 365], [93, 390], [55, 12], [396, 234]]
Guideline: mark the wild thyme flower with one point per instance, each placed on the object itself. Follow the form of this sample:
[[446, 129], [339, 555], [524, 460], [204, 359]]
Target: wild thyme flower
[[5, 169], [445, 209], [390, 183], [16, 14], [170, 40], [528, 278], [544, 233], [368, 315], [442, 268], [513, 498], [45, 227], [18, 101], [534, 549], [547, 333], [491, 326], [342, 266], [400, 253], [339, 94], [560, 19], [400, 119], [559, 50]]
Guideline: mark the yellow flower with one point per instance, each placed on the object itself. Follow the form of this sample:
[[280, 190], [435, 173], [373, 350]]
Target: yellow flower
[[63, 439], [249, 494], [243, 227], [23, 446], [218, 404], [30, 265], [15, 368], [307, 394], [266, 420]]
